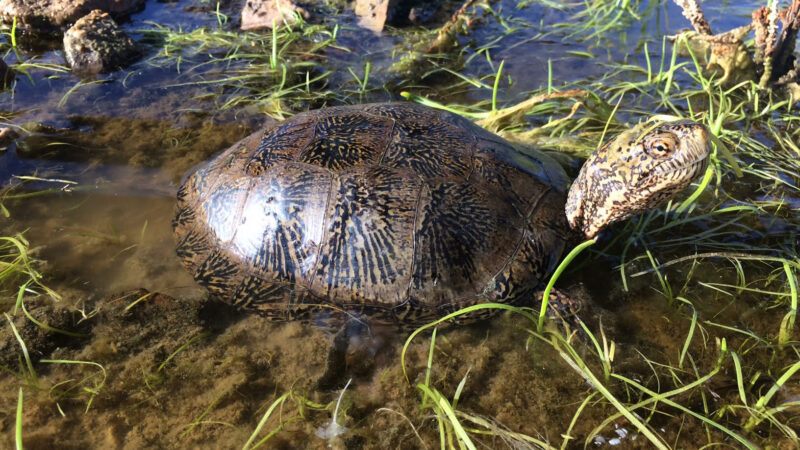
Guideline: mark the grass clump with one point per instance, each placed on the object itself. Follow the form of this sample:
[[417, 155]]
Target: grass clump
[[286, 415], [273, 71], [19, 275]]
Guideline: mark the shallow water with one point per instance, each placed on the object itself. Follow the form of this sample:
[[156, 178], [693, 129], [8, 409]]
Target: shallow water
[[184, 372]]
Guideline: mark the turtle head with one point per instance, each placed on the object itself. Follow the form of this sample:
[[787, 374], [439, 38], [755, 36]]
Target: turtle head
[[635, 172]]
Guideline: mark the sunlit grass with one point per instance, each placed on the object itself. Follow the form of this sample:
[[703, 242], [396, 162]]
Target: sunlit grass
[[18, 427], [19, 274], [31, 372], [273, 71], [291, 408], [743, 212], [731, 239]]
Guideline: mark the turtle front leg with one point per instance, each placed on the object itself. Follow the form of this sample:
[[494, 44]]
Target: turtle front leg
[[348, 354], [561, 305]]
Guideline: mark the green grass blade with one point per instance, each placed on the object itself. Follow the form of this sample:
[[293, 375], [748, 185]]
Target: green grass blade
[[24, 348], [18, 426], [553, 278], [278, 402]]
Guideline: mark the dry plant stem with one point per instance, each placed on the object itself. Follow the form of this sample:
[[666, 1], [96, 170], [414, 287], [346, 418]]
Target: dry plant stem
[[692, 12], [771, 43], [447, 33], [446, 40], [502, 117], [760, 24]]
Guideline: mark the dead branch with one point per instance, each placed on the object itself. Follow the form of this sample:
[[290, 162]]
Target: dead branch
[[760, 24], [446, 40], [446, 37], [784, 57], [770, 44], [693, 13], [513, 114]]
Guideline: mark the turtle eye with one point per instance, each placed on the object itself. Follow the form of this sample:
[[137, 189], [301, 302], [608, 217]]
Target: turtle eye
[[660, 146]]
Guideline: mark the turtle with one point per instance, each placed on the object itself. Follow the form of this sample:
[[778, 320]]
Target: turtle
[[404, 214]]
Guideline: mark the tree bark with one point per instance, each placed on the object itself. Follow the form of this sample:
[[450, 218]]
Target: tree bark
[[693, 12]]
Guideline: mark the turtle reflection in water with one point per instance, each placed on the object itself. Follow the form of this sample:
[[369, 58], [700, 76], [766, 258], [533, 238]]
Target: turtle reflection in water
[[405, 214]]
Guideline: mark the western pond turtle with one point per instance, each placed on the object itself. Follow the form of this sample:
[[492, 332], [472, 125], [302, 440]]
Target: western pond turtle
[[405, 213]]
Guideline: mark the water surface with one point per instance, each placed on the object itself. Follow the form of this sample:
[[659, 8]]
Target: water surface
[[184, 372]]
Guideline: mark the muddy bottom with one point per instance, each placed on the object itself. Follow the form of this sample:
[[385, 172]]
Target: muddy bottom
[[169, 372]]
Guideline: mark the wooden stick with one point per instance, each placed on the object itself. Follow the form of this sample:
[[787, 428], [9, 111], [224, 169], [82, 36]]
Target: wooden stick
[[760, 25], [784, 56], [446, 36], [514, 113], [770, 42], [693, 13]]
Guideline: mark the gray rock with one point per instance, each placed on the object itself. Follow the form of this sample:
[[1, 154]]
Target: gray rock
[[96, 44], [261, 14], [48, 14]]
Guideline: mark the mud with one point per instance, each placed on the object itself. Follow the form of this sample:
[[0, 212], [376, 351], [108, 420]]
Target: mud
[[193, 373], [164, 366]]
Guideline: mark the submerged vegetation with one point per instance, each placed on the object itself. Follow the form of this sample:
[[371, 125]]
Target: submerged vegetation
[[693, 344]]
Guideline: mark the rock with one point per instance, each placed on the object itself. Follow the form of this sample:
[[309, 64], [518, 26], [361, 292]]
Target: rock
[[261, 14], [375, 14], [96, 44], [7, 136], [6, 75], [46, 14], [420, 15]]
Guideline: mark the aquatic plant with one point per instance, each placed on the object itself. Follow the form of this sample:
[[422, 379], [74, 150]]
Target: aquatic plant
[[334, 429], [711, 279], [18, 423], [300, 403], [273, 71]]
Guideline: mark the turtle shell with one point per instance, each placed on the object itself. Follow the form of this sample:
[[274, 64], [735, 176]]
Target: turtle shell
[[393, 210]]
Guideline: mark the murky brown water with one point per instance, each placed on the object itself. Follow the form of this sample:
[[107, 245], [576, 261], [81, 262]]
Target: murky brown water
[[182, 371]]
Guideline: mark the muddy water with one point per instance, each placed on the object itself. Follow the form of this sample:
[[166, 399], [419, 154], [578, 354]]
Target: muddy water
[[182, 371]]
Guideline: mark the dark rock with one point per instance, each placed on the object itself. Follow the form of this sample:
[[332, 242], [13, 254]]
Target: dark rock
[[6, 75], [261, 14], [7, 136], [420, 15], [45, 14], [96, 44]]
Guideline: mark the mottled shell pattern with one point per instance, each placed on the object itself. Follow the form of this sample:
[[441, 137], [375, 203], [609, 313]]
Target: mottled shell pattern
[[393, 210]]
